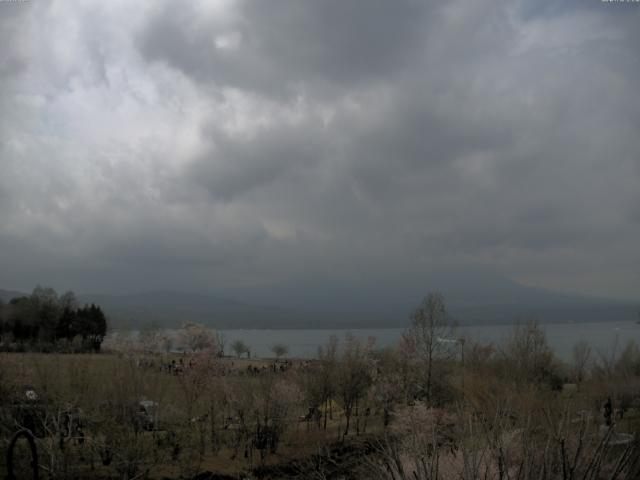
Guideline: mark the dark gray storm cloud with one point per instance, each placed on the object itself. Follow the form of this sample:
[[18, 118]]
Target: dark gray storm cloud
[[288, 46], [332, 144]]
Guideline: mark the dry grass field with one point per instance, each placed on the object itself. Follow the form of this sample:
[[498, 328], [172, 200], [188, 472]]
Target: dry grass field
[[199, 406], [352, 413]]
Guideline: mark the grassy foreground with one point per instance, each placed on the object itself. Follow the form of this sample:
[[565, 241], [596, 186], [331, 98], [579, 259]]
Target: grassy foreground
[[354, 412], [199, 421]]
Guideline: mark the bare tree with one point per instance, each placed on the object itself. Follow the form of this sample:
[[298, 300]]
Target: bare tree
[[326, 376], [239, 347], [196, 337], [581, 355], [222, 343], [69, 300], [430, 335], [280, 350], [528, 356], [149, 337], [354, 375], [165, 342], [277, 402], [389, 386]]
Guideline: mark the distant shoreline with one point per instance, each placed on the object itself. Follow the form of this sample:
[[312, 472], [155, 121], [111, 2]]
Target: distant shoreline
[[304, 342], [376, 327]]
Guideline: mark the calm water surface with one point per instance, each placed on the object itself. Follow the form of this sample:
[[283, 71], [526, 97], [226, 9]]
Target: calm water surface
[[603, 337]]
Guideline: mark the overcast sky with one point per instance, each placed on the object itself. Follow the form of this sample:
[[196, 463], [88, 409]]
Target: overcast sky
[[215, 145]]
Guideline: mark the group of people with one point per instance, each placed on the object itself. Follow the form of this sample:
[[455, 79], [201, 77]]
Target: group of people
[[254, 371], [178, 366]]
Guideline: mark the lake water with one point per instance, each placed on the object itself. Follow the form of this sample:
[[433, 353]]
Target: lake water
[[602, 336]]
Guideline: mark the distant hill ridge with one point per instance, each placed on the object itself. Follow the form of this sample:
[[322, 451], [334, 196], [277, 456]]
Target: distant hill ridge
[[507, 303], [6, 295]]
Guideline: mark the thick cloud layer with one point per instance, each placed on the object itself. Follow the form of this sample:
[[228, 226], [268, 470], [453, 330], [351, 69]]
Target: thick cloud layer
[[253, 145]]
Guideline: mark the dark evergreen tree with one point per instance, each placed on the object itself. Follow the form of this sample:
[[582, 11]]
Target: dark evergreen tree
[[66, 324], [23, 319], [45, 317]]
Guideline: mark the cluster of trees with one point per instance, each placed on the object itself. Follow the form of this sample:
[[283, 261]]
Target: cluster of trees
[[240, 348], [191, 337], [49, 320]]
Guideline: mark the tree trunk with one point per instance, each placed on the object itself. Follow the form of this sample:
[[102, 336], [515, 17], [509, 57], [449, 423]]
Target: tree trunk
[[429, 365], [347, 414], [326, 407], [212, 426]]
